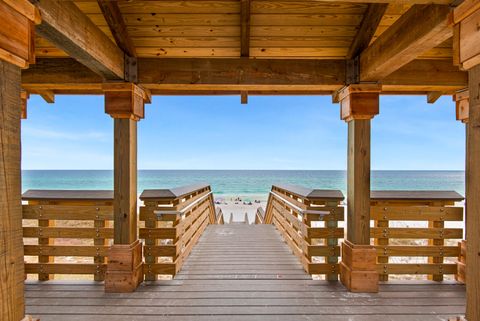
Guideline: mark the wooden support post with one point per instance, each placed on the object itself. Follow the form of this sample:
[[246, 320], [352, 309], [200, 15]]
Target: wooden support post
[[466, 18], [436, 242], [359, 104], [45, 241], [125, 103], [461, 110], [472, 199], [16, 51], [11, 244]]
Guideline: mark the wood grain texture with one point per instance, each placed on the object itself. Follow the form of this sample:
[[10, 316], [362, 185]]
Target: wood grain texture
[[472, 191], [358, 181], [421, 28], [370, 22], [245, 27], [125, 181], [113, 16], [11, 243], [69, 29], [247, 273]]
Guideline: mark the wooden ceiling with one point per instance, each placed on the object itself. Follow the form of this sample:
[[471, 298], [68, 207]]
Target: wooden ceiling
[[305, 29]]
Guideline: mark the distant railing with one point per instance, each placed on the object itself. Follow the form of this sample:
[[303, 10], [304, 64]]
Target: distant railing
[[260, 216], [219, 216], [54, 241], [430, 210], [174, 220], [308, 221]]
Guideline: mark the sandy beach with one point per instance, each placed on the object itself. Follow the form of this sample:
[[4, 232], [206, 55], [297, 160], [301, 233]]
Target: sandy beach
[[239, 205]]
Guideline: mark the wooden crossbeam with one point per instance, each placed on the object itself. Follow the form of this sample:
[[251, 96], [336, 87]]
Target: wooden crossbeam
[[231, 76], [245, 28], [48, 96], [70, 30], [113, 16], [433, 96], [370, 22], [421, 28]]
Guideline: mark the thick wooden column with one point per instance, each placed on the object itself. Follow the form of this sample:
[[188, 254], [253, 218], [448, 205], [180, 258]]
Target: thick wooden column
[[461, 110], [125, 103], [125, 181], [466, 18], [472, 197], [359, 104], [16, 51], [11, 241], [358, 181]]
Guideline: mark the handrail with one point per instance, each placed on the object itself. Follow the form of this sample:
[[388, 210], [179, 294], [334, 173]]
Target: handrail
[[173, 193], [309, 227], [219, 216], [184, 209], [173, 225], [260, 216]]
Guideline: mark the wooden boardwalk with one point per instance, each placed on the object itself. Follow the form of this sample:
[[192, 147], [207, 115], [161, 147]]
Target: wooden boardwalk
[[244, 272]]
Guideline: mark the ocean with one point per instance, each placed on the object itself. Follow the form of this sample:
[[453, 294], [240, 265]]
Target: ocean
[[253, 184]]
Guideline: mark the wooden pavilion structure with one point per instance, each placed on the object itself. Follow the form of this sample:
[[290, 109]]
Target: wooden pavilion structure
[[353, 50]]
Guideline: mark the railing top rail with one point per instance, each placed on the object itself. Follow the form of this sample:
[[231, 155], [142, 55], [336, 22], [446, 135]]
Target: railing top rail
[[185, 209], [68, 195], [312, 194], [173, 193], [298, 209], [416, 195]]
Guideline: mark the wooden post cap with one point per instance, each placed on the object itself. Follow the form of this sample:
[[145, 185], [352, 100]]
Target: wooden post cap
[[20, 16], [126, 100], [466, 36], [461, 100], [359, 101]]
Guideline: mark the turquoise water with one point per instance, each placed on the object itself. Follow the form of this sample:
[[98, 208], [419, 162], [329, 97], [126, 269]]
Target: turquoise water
[[243, 182]]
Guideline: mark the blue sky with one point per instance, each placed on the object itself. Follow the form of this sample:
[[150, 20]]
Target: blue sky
[[271, 132]]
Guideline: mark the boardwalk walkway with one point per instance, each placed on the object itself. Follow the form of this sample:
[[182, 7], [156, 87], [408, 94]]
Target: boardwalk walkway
[[244, 272]]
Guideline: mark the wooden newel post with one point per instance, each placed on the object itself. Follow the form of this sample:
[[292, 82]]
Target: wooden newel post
[[358, 269], [17, 51], [125, 103], [466, 19]]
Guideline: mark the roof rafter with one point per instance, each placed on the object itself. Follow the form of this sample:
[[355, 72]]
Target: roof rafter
[[421, 28], [113, 16], [245, 28], [70, 30], [370, 22]]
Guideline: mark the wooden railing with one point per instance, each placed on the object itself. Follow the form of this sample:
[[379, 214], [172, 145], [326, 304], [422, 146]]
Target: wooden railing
[[392, 239], [308, 221], [174, 220], [260, 216], [219, 216], [54, 241]]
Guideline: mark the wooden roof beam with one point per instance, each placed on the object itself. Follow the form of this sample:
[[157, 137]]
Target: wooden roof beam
[[245, 28], [217, 76], [69, 29], [421, 28], [113, 16], [370, 22]]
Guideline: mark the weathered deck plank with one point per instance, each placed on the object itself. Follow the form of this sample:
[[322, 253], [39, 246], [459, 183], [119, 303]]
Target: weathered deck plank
[[243, 272]]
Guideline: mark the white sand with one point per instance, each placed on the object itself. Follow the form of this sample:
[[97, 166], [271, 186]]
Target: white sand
[[238, 208]]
